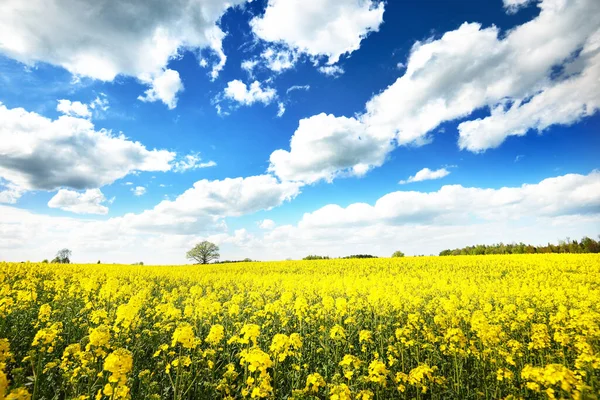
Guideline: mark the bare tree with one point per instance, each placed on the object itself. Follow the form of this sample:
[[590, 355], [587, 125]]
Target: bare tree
[[204, 252]]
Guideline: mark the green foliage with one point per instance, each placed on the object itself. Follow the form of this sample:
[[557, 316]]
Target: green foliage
[[398, 253], [62, 257], [204, 253], [360, 256], [313, 257], [234, 261], [586, 245], [45, 261]]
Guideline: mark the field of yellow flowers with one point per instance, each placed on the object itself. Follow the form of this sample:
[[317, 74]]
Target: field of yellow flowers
[[472, 327]]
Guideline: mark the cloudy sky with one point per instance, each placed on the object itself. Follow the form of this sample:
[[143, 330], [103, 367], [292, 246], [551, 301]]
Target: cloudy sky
[[130, 130]]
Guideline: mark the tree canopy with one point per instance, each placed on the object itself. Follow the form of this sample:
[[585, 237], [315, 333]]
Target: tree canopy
[[204, 252], [586, 245], [398, 253], [63, 257]]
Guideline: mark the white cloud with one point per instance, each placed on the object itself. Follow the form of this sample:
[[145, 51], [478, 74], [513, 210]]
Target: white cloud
[[203, 207], [468, 69], [329, 28], [325, 146], [164, 87], [512, 6], [426, 174], [297, 87], [266, 224], [279, 60], [135, 38], [40, 153], [220, 111], [249, 65], [414, 222], [73, 108], [100, 103], [88, 202], [128, 183], [190, 162], [331, 70], [9, 192], [275, 58], [565, 103], [138, 191], [237, 91], [280, 109], [571, 194], [78, 109]]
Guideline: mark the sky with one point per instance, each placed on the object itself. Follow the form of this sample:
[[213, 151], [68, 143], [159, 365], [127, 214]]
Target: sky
[[130, 131]]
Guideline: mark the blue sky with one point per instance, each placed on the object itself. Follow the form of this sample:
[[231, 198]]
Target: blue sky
[[282, 128]]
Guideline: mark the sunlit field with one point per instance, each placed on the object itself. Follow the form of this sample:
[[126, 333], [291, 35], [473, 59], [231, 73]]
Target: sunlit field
[[472, 327]]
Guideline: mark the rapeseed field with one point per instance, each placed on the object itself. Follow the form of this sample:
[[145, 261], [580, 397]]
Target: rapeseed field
[[472, 327]]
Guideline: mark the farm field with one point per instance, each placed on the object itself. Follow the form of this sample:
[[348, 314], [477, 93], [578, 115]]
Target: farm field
[[465, 327]]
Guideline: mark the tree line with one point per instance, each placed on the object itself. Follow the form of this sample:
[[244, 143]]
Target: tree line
[[585, 245]]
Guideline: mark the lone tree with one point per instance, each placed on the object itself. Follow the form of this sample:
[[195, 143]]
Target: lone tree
[[62, 257], [398, 253], [204, 252]]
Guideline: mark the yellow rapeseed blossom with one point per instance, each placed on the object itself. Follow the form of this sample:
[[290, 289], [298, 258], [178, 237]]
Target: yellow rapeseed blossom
[[184, 334], [215, 335], [508, 327]]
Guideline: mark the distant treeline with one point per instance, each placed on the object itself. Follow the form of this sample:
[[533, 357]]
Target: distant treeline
[[585, 245], [233, 261], [313, 257]]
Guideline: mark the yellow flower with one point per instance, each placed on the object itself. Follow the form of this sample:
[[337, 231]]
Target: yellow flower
[[215, 335], [378, 372], [119, 363], [340, 392], [184, 334], [99, 337], [19, 394], [337, 332], [314, 382]]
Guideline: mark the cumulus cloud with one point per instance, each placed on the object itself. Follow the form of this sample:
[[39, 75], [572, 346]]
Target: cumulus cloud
[[40, 153], [88, 202], [81, 110], [237, 91], [9, 192], [203, 207], [512, 6], [266, 224], [418, 222], [163, 87], [464, 70], [191, 162], [571, 194], [325, 146], [138, 191], [426, 174], [135, 38], [328, 29], [73, 108], [565, 103]]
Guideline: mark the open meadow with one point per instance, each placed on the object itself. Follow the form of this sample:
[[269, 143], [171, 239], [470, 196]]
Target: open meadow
[[465, 327]]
